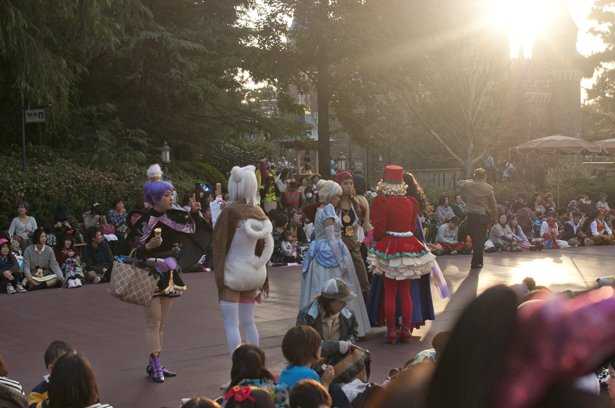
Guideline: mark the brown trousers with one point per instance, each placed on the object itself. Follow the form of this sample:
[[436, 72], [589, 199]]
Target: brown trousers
[[357, 260], [156, 314]]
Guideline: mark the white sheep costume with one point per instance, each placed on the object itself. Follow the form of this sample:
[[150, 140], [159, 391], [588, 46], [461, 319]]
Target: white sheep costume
[[242, 246]]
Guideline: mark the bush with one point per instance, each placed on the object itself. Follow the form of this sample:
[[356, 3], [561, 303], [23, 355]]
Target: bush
[[51, 179]]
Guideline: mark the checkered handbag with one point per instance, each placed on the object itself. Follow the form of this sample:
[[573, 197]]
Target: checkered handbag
[[132, 284], [352, 365]]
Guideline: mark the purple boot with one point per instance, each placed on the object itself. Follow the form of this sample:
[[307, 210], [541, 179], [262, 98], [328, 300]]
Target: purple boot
[[154, 369], [165, 372]]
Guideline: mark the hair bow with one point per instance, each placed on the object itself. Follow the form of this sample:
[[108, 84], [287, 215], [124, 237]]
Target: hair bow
[[240, 394], [69, 232]]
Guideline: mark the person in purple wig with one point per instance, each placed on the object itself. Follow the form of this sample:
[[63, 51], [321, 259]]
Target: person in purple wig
[[165, 240]]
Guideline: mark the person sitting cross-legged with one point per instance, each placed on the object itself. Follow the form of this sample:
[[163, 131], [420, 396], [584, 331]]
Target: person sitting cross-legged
[[447, 238], [599, 232], [502, 236], [97, 256], [573, 231]]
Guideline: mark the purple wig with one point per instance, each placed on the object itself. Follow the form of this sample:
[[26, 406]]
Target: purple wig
[[155, 190]]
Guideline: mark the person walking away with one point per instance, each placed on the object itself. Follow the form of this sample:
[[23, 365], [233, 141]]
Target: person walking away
[[480, 208]]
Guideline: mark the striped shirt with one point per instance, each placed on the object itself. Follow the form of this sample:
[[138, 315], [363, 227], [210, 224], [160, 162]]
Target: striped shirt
[[12, 384], [99, 405]]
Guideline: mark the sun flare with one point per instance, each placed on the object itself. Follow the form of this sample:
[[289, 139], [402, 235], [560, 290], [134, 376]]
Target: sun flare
[[522, 19]]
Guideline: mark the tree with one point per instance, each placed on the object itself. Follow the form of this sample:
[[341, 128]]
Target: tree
[[601, 96], [123, 76], [325, 37], [443, 80]]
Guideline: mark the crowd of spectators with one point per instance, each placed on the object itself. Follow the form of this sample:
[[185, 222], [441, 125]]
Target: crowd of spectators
[[522, 225]]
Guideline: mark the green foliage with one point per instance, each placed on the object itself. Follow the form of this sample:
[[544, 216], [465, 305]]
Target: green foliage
[[224, 156], [601, 98], [202, 172], [53, 178]]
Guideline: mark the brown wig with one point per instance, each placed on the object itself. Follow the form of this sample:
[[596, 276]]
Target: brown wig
[[72, 383], [200, 403], [249, 364], [300, 345], [309, 394], [414, 190]]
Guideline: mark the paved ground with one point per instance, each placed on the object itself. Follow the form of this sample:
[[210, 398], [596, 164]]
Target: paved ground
[[110, 333]]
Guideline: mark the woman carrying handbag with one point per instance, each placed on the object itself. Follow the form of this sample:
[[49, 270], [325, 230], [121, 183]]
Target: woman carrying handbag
[[159, 237]]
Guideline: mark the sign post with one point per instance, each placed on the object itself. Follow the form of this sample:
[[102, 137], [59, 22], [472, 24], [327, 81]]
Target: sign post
[[23, 129], [36, 114]]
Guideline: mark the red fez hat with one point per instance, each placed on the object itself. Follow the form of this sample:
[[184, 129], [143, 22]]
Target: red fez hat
[[393, 174], [342, 176]]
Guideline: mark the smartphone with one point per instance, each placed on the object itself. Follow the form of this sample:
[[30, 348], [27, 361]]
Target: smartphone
[[218, 189]]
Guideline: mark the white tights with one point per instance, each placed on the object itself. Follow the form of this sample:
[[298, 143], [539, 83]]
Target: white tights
[[232, 313]]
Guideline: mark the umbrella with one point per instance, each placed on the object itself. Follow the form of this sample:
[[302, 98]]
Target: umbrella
[[559, 144], [607, 145]]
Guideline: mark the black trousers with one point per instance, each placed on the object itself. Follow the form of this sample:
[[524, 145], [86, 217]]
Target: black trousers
[[477, 228]]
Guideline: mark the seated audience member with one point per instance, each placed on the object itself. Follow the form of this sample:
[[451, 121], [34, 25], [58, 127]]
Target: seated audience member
[[573, 231], [68, 259], [288, 246], [502, 236], [11, 391], [23, 225], [279, 255], [444, 211], [561, 219], [585, 204], [602, 204], [39, 263], [301, 348], [61, 222], [249, 370], [200, 403], [598, 231], [303, 183], [610, 381], [117, 215], [140, 208], [459, 207], [573, 205], [295, 227], [610, 219], [309, 196], [95, 216], [549, 204], [39, 397], [520, 203], [522, 240], [72, 384], [309, 394], [291, 198], [549, 230], [10, 277], [536, 204], [329, 316], [447, 237], [97, 257], [438, 343], [248, 397]]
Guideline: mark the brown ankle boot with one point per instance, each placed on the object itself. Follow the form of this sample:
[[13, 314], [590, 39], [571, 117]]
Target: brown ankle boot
[[391, 334], [406, 332]]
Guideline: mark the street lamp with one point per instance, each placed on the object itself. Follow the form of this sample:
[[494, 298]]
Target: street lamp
[[166, 156], [341, 162]]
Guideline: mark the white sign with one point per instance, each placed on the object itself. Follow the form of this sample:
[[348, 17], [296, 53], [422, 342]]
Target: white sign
[[35, 115]]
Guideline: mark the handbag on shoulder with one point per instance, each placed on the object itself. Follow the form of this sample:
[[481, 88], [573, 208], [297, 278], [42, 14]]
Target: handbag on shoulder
[[132, 284]]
